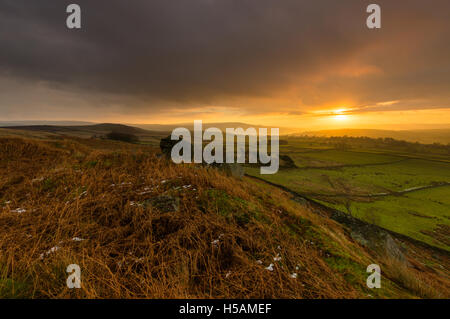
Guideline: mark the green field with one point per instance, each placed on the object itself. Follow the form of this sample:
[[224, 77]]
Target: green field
[[332, 157], [406, 192]]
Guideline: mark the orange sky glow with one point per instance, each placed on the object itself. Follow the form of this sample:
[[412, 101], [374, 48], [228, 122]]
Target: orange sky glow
[[306, 65]]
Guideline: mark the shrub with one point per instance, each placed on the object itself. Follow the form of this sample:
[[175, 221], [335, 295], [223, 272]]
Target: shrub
[[124, 137]]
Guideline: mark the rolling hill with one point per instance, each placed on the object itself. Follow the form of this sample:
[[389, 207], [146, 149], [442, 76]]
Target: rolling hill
[[87, 131], [140, 226], [222, 126], [426, 136]]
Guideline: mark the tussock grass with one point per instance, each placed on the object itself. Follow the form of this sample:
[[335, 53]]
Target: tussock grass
[[81, 205]]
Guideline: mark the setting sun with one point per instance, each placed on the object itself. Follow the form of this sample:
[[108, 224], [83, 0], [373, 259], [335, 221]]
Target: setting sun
[[339, 115]]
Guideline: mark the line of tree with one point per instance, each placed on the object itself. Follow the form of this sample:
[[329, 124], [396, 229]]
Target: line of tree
[[347, 142], [123, 137]]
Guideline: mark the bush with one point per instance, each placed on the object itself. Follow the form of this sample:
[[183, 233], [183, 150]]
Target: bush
[[124, 137]]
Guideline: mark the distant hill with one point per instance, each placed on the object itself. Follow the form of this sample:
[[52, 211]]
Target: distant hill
[[190, 126], [422, 136], [89, 131], [140, 130], [83, 126], [95, 129], [222, 126], [56, 123]]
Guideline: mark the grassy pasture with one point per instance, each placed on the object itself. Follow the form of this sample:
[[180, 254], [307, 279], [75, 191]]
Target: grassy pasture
[[398, 191], [409, 215], [334, 157]]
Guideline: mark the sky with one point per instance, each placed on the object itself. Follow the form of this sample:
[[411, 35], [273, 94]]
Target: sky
[[291, 63]]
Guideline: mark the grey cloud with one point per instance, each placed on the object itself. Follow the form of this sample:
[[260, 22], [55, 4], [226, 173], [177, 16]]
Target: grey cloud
[[201, 52]]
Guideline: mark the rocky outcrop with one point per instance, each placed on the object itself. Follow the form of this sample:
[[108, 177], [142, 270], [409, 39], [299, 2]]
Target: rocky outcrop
[[234, 169], [166, 144], [370, 236]]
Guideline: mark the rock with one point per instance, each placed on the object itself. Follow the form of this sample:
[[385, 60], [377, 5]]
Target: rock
[[359, 238], [166, 144], [375, 239], [164, 203], [393, 250]]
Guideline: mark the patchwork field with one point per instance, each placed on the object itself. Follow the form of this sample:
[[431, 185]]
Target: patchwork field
[[403, 191]]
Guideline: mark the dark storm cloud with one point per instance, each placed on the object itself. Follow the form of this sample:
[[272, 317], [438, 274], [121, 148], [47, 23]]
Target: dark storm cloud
[[197, 52]]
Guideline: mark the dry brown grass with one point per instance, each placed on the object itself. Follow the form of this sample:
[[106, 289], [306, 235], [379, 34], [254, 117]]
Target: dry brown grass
[[131, 250], [419, 279]]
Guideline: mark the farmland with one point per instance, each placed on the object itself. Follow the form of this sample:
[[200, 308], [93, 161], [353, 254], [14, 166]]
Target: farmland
[[400, 189]]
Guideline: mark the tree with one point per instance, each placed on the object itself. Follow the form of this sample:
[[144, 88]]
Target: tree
[[124, 137]]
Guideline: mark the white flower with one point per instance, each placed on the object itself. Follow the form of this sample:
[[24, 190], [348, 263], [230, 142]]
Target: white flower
[[19, 211], [294, 275], [277, 257], [78, 239], [48, 252], [215, 242], [53, 249], [270, 268]]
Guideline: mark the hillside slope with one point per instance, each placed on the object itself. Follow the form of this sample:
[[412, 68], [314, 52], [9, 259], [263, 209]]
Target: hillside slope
[[83, 131], [142, 227]]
